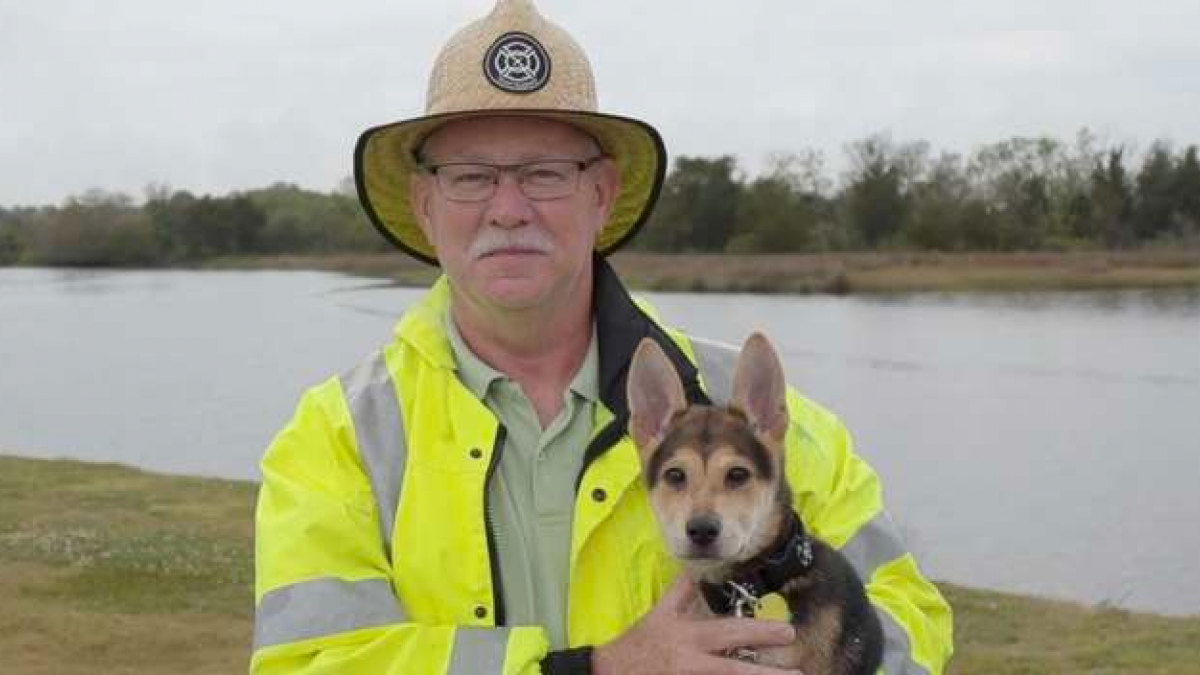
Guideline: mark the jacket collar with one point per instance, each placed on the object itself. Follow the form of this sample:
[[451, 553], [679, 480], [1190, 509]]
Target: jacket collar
[[620, 326], [423, 327]]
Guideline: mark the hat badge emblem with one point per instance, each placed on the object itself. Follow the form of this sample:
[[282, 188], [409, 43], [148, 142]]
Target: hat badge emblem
[[517, 63]]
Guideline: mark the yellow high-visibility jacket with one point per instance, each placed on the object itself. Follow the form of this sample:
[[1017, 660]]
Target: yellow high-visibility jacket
[[373, 550]]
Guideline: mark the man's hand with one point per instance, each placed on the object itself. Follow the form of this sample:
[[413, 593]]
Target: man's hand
[[670, 640]]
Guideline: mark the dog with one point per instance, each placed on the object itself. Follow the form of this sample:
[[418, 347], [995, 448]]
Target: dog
[[715, 479]]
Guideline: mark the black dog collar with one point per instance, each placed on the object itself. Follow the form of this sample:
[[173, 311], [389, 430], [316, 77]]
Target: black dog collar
[[789, 558]]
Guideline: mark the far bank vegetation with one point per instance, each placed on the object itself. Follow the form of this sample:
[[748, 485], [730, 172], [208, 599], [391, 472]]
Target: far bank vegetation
[[1021, 194]]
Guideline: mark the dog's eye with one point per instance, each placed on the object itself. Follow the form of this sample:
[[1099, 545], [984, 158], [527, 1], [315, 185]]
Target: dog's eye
[[737, 477], [675, 477]]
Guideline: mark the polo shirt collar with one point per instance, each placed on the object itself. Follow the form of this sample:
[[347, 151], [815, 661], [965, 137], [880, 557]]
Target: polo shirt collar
[[478, 376]]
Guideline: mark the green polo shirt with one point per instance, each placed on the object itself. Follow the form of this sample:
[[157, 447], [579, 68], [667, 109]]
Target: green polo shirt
[[532, 494]]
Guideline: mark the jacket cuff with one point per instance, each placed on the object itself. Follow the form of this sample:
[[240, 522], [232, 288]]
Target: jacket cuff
[[576, 661]]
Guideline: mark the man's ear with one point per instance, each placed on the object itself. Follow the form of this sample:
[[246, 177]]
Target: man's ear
[[759, 389], [655, 396]]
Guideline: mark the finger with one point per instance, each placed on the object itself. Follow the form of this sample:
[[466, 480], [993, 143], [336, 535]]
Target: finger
[[680, 596], [717, 665], [717, 635]]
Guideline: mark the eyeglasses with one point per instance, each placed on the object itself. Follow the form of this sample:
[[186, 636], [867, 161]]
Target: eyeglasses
[[542, 180]]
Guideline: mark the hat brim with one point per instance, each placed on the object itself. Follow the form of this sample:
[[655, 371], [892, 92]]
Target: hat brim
[[384, 161]]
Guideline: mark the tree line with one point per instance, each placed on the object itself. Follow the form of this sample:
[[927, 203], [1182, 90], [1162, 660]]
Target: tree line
[[1025, 194], [102, 228]]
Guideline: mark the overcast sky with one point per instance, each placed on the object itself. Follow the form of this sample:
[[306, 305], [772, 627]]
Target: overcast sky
[[221, 95]]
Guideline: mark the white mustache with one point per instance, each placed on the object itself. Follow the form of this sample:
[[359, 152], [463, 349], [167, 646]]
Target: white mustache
[[494, 239]]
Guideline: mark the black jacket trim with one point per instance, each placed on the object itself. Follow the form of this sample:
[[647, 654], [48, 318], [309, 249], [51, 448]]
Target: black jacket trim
[[620, 327], [577, 661]]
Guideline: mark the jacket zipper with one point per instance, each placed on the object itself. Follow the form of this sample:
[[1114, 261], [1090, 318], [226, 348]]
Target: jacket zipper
[[493, 553]]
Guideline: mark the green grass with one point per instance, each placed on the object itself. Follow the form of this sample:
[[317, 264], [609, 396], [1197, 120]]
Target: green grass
[[108, 569], [1010, 634]]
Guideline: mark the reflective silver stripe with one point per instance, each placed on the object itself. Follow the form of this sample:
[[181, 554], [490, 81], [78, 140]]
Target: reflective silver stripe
[[897, 657], [479, 651], [375, 411], [716, 362], [323, 607], [876, 543]]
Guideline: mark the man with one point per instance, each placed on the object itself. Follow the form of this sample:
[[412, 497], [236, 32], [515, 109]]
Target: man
[[467, 500]]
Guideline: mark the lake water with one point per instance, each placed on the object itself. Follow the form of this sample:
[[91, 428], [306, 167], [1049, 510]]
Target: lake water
[[1045, 443]]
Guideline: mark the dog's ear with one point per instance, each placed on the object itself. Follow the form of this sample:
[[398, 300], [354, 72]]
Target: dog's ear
[[655, 395], [759, 389]]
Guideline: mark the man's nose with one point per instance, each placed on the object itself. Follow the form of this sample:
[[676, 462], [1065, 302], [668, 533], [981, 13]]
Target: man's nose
[[509, 207]]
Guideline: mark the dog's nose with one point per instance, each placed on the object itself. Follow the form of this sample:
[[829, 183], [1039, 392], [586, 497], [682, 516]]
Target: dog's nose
[[703, 530]]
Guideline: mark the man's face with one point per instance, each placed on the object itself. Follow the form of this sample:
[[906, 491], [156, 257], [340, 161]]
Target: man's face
[[510, 251]]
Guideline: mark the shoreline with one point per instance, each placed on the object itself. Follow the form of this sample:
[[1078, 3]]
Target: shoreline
[[833, 274], [865, 273], [117, 568]]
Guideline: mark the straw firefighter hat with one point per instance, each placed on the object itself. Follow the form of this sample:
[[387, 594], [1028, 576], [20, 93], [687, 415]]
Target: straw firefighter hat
[[511, 62]]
